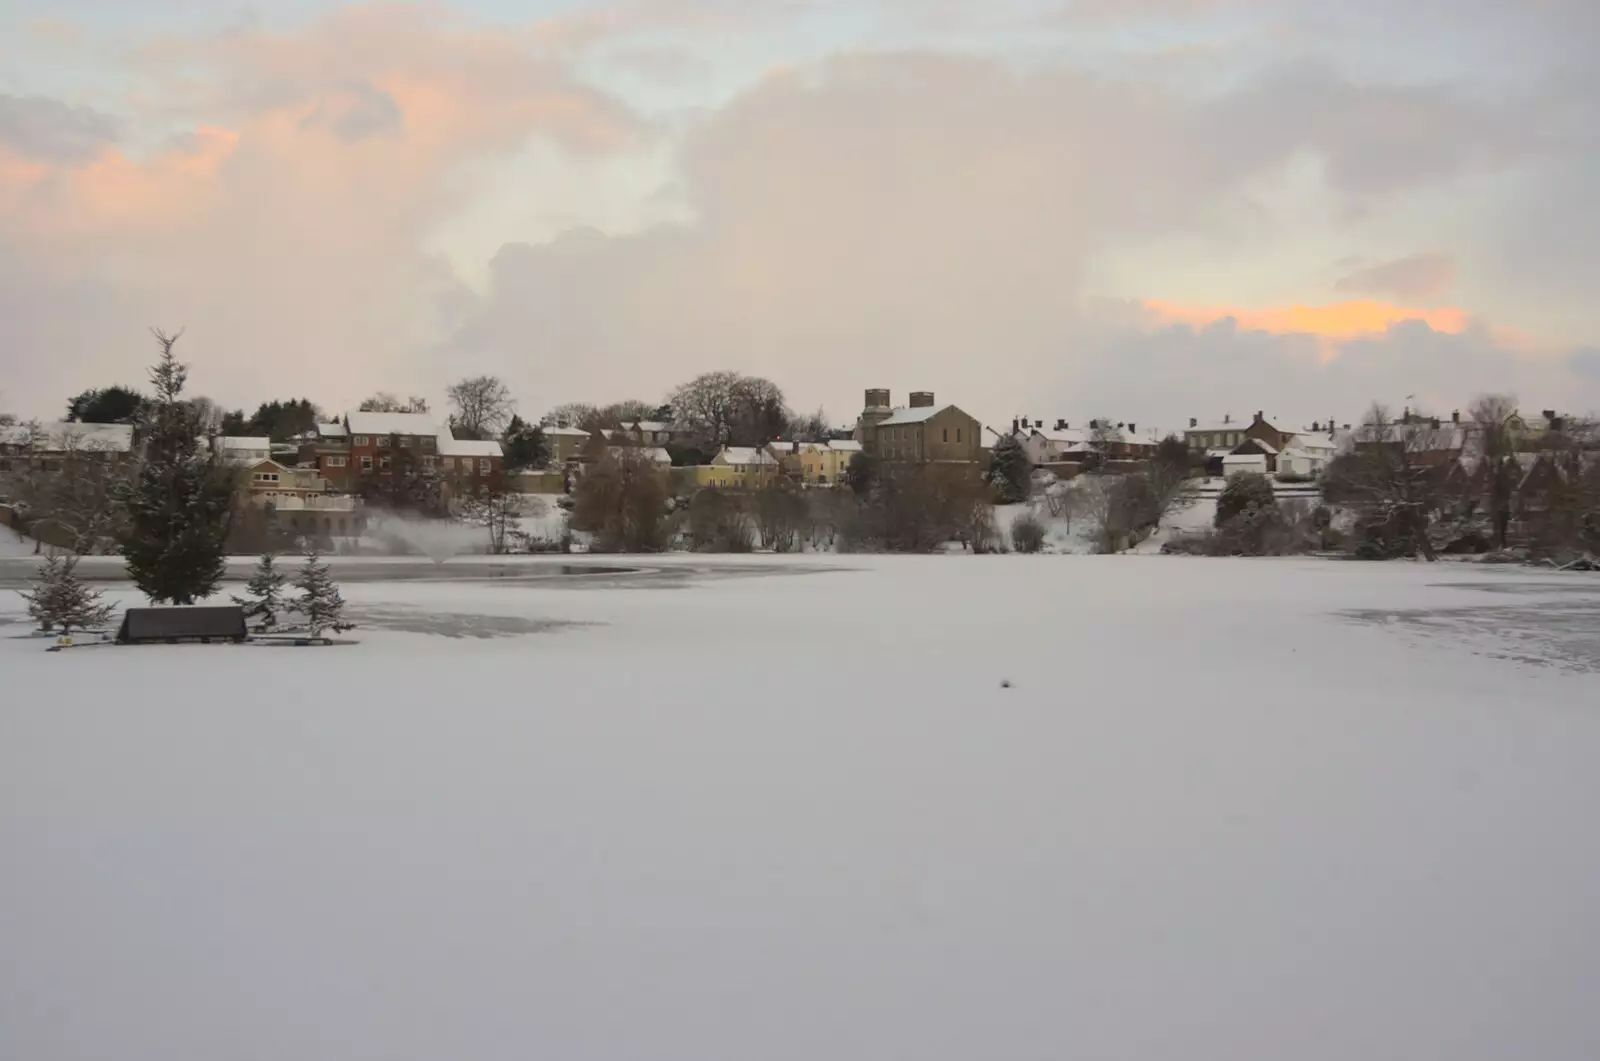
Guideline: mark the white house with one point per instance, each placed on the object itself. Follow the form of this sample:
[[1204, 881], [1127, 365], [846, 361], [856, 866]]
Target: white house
[[243, 449], [1307, 455], [1242, 463]]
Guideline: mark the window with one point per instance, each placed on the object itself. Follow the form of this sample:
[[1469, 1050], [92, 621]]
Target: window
[[366, 464], [360, 440], [958, 434], [427, 443], [383, 441], [405, 441], [947, 434], [384, 462], [266, 477], [483, 466], [338, 462], [427, 464]]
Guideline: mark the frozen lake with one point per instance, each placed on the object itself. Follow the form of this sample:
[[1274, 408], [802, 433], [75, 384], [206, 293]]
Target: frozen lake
[[1226, 810]]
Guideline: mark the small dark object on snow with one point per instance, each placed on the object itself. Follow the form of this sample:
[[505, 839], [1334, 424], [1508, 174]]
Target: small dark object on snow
[[170, 625], [1005, 683]]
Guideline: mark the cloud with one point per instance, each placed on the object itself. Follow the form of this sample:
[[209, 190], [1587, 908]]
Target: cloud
[[1340, 320], [49, 130], [1413, 277], [286, 230]]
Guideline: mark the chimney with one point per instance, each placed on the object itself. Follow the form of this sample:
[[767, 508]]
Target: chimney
[[1259, 416], [1549, 414], [1061, 425], [1434, 423], [1194, 422], [922, 399], [1133, 429], [1227, 418], [1036, 423], [1015, 427], [877, 398]]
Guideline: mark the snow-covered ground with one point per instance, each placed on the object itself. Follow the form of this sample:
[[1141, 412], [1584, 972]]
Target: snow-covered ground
[[1225, 810]]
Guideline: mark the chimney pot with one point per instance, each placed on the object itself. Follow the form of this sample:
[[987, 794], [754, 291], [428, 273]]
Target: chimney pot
[[1194, 422], [1455, 416]]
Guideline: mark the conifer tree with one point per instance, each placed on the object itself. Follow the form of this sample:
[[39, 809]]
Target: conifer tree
[[1010, 471], [265, 590], [178, 509], [61, 601], [321, 603]]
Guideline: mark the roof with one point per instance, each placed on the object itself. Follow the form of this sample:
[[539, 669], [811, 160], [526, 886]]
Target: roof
[[744, 455], [450, 446], [565, 432], [1266, 447], [652, 425], [657, 454], [918, 415], [1422, 436], [1243, 458], [64, 435], [393, 424], [1065, 437], [844, 445], [335, 430], [244, 442], [1233, 424], [1319, 440], [1212, 454]]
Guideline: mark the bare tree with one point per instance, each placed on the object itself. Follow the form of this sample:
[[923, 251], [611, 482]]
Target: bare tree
[[74, 491], [498, 512], [622, 500], [1491, 419], [725, 408], [780, 516], [1104, 437], [483, 406], [1392, 479], [573, 414], [384, 402]]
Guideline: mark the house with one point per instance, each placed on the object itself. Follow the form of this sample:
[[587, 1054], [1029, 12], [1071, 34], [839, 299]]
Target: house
[[48, 446], [1244, 463], [1061, 444], [1252, 447], [816, 463], [566, 443], [649, 432], [327, 449], [234, 449], [733, 468], [1229, 432], [654, 454], [1429, 441], [298, 499], [469, 465], [921, 433], [383, 445], [1307, 455]]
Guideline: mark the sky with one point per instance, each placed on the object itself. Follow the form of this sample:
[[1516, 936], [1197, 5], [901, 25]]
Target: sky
[[1148, 210]]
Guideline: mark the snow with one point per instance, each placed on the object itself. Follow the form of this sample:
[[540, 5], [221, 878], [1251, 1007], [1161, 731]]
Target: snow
[[392, 424], [450, 446], [916, 415], [1227, 809], [15, 544]]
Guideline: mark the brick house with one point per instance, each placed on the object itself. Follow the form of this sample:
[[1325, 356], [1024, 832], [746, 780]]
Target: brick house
[[469, 466], [327, 449], [566, 443]]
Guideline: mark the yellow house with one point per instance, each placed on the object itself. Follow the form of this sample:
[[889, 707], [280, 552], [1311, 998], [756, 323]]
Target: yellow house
[[817, 463], [735, 468]]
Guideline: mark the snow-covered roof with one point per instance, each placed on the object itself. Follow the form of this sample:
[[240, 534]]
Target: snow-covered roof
[[1232, 424], [1244, 458], [564, 432], [244, 442], [655, 454], [652, 425], [745, 455], [844, 445], [1213, 454], [68, 435], [335, 430], [1309, 441], [1266, 447], [1065, 437], [1421, 436], [393, 424], [450, 446], [916, 415]]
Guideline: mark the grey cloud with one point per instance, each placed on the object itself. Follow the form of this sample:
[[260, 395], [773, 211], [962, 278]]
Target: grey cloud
[[48, 129], [355, 111], [1586, 362], [1418, 276]]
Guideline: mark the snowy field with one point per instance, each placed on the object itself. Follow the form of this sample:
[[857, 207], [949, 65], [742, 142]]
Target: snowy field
[[1226, 810]]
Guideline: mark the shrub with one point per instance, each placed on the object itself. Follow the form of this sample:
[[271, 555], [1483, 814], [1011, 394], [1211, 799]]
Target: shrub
[[1241, 492], [1027, 533]]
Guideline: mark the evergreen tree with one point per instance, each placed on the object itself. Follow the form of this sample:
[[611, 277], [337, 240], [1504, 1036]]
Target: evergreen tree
[[266, 591], [321, 602], [525, 446], [178, 509], [60, 601], [1010, 471]]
